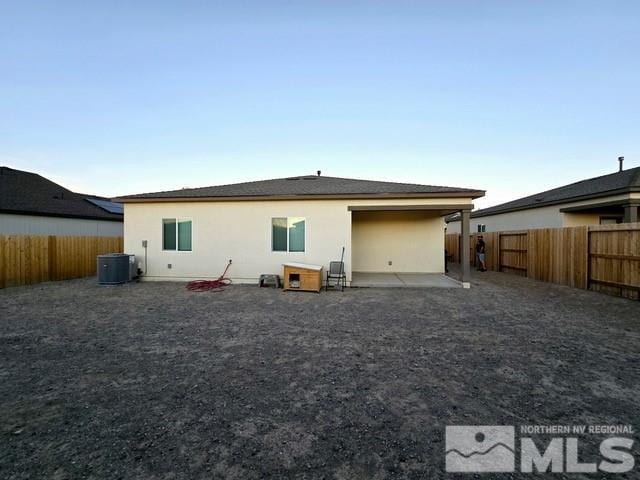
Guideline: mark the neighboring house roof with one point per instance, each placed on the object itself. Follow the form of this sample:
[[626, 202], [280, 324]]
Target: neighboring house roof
[[617, 183], [107, 205], [28, 193], [314, 186]]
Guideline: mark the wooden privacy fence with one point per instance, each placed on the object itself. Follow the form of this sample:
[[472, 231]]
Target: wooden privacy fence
[[614, 261], [27, 259], [603, 258]]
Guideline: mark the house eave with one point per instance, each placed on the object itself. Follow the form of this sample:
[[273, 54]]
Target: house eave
[[591, 206], [440, 209]]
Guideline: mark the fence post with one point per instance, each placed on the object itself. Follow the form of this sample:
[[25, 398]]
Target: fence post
[[499, 259], [532, 254], [464, 233], [3, 262], [588, 255], [53, 254]]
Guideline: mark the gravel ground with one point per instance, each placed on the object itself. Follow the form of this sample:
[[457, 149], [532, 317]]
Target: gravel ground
[[149, 380]]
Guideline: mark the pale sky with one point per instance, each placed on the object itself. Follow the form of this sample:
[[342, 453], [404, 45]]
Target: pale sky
[[115, 98]]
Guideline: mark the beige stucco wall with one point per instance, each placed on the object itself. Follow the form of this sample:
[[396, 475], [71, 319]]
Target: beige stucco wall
[[11, 224], [411, 241], [577, 219], [542, 217], [241, 231]]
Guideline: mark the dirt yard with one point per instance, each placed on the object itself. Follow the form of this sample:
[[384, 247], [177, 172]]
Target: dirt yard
[[151, 381]]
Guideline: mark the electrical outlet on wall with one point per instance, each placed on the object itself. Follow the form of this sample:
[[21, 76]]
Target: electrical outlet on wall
[[390, 262], [168, 265]]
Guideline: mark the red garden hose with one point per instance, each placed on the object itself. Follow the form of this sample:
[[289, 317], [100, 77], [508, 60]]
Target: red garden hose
[[211, 285]]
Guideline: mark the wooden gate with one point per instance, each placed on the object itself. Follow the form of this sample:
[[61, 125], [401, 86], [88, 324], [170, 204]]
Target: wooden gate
[[614, 260], [513, 252]]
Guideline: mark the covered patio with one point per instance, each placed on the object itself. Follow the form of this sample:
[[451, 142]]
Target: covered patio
[[403, 245], [619, 211]]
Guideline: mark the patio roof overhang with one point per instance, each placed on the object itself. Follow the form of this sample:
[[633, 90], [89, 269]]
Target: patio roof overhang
[[628, 208], [595, 207], [439, 209]]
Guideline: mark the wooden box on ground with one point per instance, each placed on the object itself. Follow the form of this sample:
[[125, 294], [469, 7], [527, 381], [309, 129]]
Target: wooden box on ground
[[300, 276]]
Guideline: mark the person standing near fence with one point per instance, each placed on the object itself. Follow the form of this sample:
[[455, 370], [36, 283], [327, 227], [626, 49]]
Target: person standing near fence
[[480, 248]]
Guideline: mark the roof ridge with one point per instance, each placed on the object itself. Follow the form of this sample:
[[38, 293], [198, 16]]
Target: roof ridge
[[230, 184], [324, 187], [295, 177], [35, 174], [4, 167], [33, 193], [578, 182], [635, 179], [384, 181]]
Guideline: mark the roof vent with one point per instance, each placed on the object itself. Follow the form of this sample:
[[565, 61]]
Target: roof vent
[[620, 161], [319, 172]]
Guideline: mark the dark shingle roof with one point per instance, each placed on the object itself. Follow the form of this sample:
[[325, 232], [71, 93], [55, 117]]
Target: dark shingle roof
[[31, 194], [605, 185], [309, 185]]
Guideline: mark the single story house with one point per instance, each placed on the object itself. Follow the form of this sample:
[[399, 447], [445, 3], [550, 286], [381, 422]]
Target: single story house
[[612, 198], [33, 205], [383, 226]]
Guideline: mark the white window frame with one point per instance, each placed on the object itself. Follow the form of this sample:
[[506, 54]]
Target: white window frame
[[178, 220], [289, 217]]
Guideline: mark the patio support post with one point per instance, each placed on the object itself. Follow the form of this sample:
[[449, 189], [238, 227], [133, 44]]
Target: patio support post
[[630, 213], [464, 246]]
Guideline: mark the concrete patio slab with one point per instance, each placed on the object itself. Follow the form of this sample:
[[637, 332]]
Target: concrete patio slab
[[403, 280]]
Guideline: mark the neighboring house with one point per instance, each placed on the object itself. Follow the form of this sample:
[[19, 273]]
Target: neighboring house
[[32, 205], [384, 227], [612, 198]]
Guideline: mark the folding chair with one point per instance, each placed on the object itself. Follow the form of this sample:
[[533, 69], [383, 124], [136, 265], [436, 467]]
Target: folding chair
[[336, 272]]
